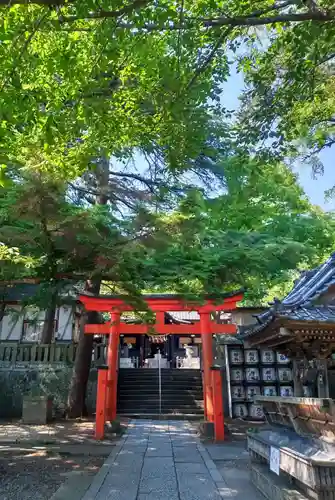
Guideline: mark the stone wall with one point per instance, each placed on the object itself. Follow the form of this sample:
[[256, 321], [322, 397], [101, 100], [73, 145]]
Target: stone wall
[[35, 378]]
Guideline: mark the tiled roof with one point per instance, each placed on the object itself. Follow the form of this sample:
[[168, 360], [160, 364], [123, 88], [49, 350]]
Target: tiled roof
[[185, 315], [192, 315], [228, 339], [18, 292], [298, 304], [320, 314], [312, 284]]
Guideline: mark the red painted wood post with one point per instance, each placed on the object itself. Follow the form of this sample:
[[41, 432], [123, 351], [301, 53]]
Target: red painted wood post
[[100, 415], [218, 403], [207, 361], [113, 349], [109, 375]]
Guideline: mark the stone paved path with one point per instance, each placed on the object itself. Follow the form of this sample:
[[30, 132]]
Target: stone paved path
[[159, 460]]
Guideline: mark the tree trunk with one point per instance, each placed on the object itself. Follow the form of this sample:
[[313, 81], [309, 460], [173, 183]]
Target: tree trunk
[[49, 322], [2, 310], [82, 364]]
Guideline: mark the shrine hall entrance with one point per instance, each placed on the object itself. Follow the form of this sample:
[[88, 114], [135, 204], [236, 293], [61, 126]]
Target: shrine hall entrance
[[173, 351], [160, 375]]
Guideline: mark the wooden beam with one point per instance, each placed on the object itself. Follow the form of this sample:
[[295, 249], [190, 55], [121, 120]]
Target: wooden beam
[[159, 304], [128, 329]]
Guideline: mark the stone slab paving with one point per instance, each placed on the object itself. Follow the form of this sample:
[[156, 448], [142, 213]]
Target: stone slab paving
[[161, 460], [232, 462]]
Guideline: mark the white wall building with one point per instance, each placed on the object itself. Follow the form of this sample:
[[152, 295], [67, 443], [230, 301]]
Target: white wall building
[[25, 324]]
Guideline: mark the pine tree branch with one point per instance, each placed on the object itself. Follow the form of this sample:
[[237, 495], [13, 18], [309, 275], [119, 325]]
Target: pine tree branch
[[148, 182], [112, 196]]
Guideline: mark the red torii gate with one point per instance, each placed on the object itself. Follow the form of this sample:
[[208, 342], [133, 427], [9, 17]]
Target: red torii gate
[[160, 304]]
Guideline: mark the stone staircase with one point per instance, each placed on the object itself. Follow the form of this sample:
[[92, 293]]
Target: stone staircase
[[138, 393]]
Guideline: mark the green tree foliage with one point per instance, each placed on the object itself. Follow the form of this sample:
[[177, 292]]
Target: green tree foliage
[[13, 263], [254, 236], [69, 87], [76, 76], [66, 240], [261, 228], [265, 202], [289, 103]]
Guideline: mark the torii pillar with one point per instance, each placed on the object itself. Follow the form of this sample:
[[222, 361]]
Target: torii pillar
[[207, 362], [112, 362]]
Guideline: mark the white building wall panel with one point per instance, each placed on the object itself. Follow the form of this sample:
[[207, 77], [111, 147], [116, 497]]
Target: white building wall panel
[[11, 325]]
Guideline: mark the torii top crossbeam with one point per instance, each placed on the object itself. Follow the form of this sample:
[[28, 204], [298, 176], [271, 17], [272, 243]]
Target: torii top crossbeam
[[161, 304]]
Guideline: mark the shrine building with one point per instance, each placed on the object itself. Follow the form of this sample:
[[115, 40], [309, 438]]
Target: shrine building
[[301, 327]]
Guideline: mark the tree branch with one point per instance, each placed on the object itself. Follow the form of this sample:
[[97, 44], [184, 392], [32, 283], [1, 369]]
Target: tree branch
[[253, 19], [326, 59], [198, 72], [328, 144], [109, 194], [103, 14], [275, 6], [136, 177], [36, 2]]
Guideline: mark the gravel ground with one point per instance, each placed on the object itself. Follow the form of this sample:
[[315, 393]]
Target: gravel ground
[[37, 474]]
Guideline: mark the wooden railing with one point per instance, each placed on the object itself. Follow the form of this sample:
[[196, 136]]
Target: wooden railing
[[46, 353]]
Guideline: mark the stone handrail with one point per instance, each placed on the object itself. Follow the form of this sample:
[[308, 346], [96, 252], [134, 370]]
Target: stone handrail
[[13, 353]]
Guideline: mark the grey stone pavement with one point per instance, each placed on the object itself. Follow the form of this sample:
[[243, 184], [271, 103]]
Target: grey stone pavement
[[164, 460]]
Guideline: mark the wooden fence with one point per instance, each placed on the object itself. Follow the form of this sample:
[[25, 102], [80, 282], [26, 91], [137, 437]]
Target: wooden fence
[[47, 353]]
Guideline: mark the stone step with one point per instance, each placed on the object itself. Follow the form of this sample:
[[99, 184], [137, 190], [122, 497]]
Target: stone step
[[144, 389], [176, 398], [165, 386], [148, 380], [193, 402], [168, 407], [163, 370], [179, 374], [152, 402], [131, 391], [162, 416], [181, 392], [155, 411]]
